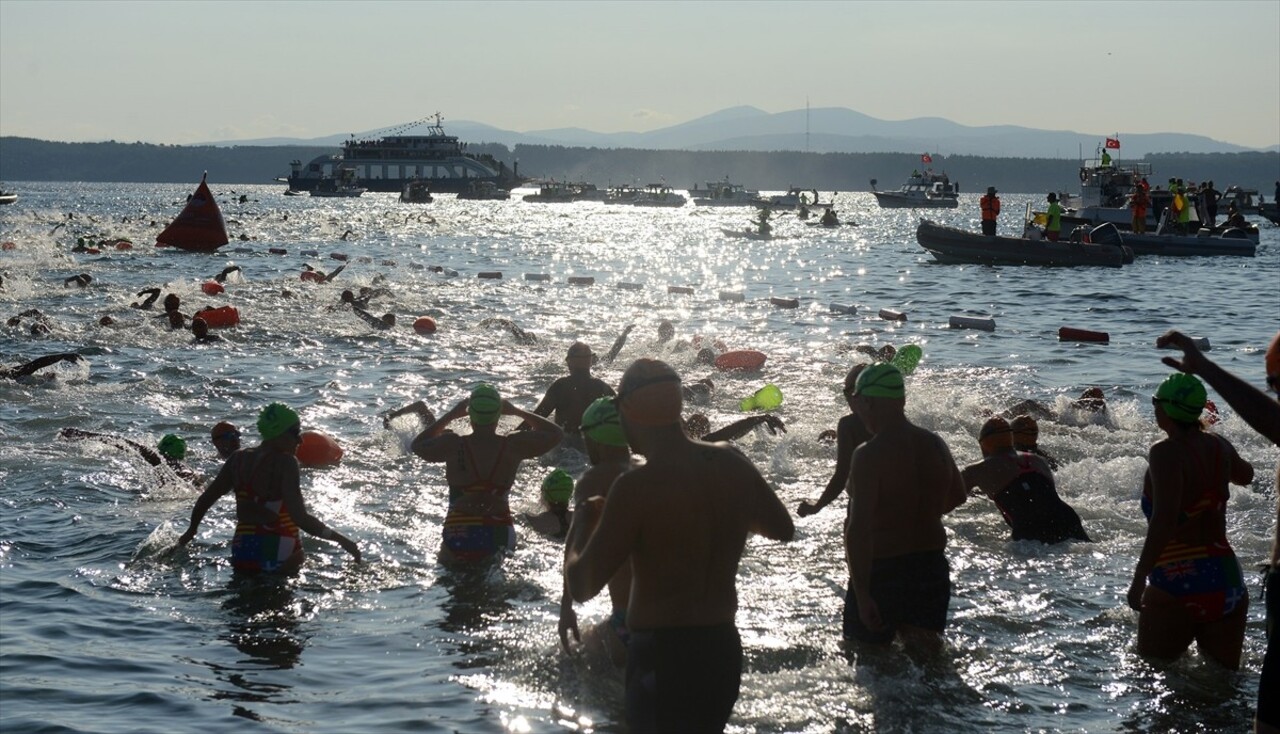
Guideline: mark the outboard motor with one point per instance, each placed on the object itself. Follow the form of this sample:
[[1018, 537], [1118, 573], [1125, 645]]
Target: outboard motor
[[1105, 234], [1234, 233]]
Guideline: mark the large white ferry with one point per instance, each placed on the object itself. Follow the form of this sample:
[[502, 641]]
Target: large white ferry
[[390, 162]]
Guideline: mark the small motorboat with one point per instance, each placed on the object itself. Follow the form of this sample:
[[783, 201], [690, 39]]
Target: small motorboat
[[926, 190], [7, 197], [294, 192], [953, 245], [416, 191]]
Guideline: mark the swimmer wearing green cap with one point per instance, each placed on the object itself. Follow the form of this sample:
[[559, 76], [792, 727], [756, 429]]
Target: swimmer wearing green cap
[[850, 434], [270, 510], [903, 480], [169, 452], [1187, 584], [610, 457], [557, 491], [480, 468]]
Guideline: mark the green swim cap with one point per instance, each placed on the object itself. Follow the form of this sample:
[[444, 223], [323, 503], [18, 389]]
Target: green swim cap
[[880, 381], [173, 447], [486, 405], [557, 488], [275, 419], [600, 423], [1182, 396]]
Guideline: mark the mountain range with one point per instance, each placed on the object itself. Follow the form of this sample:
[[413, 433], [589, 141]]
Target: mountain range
[[819, 130]]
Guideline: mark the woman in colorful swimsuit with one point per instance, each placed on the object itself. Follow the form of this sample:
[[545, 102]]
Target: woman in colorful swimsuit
[[1188, 584], [269, 506], [480, 468]]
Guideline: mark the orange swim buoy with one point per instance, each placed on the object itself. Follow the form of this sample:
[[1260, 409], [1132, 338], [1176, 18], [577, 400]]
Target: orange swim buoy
[[425, 325], [219, 318], [123, 245], [740, 359], [212, 287], [8, 246], [318, 449], [312, 276]]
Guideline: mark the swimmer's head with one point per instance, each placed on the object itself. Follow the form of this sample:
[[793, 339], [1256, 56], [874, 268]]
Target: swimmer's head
[[176, 320], [388, 320], [880, 381], [601, 423], [706, 355], [1026, 432], [225, 437], [199, 327], [649, 394], [995, 435], [557, 488], [348, 296], [485, 407], [1273, 364], [172, 302], [697, 426], [851, 379], [1181, 397], [579, 356], [276, 419], [106, 321], [172, 447], [666, 331]]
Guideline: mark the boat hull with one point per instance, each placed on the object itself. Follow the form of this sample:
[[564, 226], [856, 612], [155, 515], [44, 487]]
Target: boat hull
[[1189, 246], [955, 246]]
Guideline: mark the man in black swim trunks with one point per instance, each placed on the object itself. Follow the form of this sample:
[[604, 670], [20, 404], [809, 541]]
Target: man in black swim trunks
[[684, 660], [903, 480]]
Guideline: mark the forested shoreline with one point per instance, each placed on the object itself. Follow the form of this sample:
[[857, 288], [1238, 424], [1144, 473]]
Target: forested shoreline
[[27, 159]]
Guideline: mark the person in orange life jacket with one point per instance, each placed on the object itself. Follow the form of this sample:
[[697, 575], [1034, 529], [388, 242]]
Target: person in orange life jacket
[[990, 211]]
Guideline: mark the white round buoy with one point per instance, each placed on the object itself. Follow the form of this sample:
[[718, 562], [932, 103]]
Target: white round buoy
[[682, 289], [540, 277], [844, 308], [734, 296]]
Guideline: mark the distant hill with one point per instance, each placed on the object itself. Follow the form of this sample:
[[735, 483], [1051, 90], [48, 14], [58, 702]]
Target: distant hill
[[823, 130]]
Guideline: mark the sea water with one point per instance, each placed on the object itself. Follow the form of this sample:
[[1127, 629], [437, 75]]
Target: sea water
[[104, 627]]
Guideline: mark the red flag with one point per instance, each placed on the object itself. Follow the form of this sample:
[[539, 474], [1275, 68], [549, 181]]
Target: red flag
[[926, 158], [1113, 143]]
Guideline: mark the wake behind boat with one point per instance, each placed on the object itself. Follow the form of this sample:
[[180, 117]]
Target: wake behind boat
[[7, 197], [953, 245]]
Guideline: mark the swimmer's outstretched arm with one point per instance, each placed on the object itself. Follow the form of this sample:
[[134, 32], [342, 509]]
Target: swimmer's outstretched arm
[[417, 407], [849, 436], [617, 344], [742, 427], [220, 485], [40, 363], [1259, 411]]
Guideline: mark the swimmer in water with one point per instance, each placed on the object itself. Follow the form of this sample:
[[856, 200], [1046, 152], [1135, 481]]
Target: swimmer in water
[[480, 469], [683, 595], [1021, 484], [30, 368], [170, 451], [568, 396], [850, 434], [270, 510], [610, 457]]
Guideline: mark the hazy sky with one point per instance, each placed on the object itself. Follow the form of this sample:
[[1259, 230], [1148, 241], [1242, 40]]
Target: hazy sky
[[184, 72]]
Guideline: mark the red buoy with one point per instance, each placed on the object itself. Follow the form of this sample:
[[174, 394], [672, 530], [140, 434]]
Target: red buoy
[[1069, 334]]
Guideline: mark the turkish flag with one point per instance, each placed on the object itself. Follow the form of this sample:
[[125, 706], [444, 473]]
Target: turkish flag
[[1113, 143], [926, 158]]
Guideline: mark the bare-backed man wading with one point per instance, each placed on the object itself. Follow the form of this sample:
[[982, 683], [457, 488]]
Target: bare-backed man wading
[[902, 482], [681, 521]]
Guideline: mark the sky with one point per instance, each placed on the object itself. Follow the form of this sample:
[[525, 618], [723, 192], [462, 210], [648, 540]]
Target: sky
[[191, 72]]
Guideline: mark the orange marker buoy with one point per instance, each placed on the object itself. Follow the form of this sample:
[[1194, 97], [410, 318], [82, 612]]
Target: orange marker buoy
[[123, 245], [220, 318], [740, 360], [277, 251], [1069, 334], [8, 246], [425, 325], [211, 287], [318, 449]]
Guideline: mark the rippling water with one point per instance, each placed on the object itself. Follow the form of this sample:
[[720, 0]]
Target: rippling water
[[104, 628]]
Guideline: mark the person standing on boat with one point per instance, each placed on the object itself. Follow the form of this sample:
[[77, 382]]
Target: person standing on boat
[[1138, 203], [1053, 229], [1211, 197], [990, 211]]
